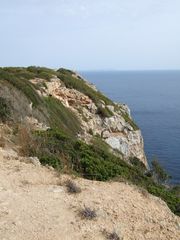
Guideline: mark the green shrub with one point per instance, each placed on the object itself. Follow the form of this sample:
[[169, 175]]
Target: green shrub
[[51, 161], [159, 173], [138, 164], [41, 72], [22, 84]]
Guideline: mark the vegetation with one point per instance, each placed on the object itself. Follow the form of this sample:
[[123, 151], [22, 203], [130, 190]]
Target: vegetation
[[59, 146], [87, 213], [53, 110], [79, 84], [51, 160], [129, 120], [96, 162], [4, 110], [112, 236], [72, 187], [138, 164], [19, 79], [159, 173], [61, 117]]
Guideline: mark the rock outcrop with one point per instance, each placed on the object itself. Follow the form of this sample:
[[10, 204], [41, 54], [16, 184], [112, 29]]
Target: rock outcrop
[[119, 133]]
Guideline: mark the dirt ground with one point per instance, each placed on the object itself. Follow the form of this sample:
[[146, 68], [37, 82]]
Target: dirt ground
[[35, 205]]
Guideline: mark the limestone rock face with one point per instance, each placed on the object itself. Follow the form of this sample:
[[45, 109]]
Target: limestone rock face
[[131, 145], [117, 130]]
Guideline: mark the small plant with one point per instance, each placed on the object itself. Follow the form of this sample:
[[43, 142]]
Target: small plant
[[113, 236], [88, 213], [72, 187]]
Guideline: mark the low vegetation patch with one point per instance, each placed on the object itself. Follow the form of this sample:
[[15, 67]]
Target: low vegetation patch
[[112, 236], [87, 213], [61, 117], [72, 187], [4, 110]]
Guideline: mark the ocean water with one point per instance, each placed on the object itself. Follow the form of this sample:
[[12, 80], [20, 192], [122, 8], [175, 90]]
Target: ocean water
[[154, 100]]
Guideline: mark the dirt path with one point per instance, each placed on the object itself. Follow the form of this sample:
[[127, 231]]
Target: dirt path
[[34, 205]]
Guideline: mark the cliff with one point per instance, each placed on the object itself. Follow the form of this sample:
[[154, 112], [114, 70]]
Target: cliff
[[98, 115], [58, 119]]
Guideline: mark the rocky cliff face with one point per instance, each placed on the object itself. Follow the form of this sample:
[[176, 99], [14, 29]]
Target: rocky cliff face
[[112, 122]]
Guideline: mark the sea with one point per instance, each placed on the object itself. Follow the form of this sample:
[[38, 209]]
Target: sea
[[154, 100]]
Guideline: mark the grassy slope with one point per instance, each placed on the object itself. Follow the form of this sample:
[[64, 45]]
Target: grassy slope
[[56, 114], [60, 147]]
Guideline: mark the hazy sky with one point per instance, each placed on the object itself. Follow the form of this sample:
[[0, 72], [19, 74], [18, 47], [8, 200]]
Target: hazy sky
[[91, 34]]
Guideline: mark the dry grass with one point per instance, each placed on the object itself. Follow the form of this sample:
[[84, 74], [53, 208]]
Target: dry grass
[[111, 236], [25, 140], [87, 213], [72, 187]]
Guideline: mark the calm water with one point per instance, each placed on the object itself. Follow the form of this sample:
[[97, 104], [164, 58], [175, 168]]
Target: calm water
[[154, 100]]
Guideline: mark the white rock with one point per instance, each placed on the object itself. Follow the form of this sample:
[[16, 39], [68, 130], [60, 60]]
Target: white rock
[[110, 107], [35, 161], [105, 134]]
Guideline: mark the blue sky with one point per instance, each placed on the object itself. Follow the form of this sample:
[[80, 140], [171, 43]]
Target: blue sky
[[91, 34]]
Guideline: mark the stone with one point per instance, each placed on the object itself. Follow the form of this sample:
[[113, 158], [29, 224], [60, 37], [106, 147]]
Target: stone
[[110, 107], [35, 161], [105, 134], [119, 143]]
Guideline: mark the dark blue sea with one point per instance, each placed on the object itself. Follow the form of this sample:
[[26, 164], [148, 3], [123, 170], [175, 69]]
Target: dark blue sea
[[154, 100]]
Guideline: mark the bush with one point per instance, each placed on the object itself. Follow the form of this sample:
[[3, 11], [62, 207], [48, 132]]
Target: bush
[[51, 161], [72, 187], [87, 213], [4, 110], [136, 162], [159, 173], [112, 236]]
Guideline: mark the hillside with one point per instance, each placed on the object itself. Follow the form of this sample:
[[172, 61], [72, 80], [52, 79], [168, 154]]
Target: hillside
[[35, 205], [66, 123]]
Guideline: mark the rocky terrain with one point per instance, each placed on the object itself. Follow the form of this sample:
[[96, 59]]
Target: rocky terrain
[[100, 116], [35, 205], [55, 126], [115, 130]]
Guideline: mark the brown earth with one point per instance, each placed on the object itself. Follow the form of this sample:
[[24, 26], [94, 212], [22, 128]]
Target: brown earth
[[35, 205]]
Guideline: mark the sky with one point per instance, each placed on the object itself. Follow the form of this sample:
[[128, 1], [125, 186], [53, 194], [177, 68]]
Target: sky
[[91, 34]]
